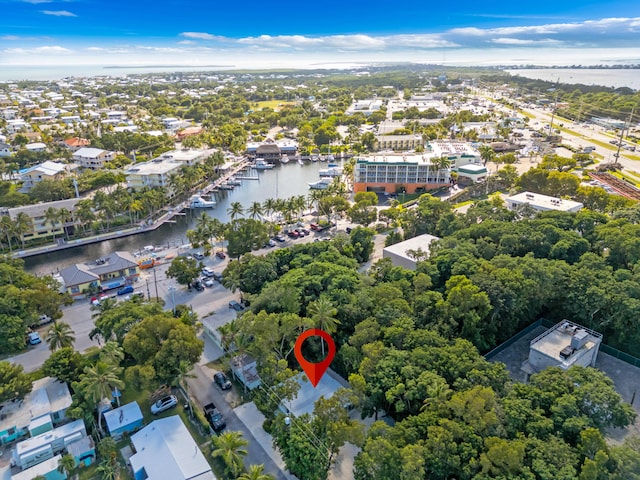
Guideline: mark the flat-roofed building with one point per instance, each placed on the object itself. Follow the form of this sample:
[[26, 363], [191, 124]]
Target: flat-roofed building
[[564, 345], [542, 203], [458, 153], [366, 107], [42, 227], [473, 172], [152, 174], [186, 156], [397, 173], [398, 142], [407, 254]]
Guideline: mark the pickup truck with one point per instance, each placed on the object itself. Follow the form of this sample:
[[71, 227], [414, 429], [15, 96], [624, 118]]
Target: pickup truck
[[42, 320], [215, 418]]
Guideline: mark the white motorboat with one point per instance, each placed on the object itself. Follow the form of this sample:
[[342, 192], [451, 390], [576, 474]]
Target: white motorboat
[[284, 159], [261, 164], [321, 184], [300, 162], [330, 172], [314, 158], [198, 202]]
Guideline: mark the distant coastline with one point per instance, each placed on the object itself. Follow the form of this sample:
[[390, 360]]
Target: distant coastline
[[167, 66]]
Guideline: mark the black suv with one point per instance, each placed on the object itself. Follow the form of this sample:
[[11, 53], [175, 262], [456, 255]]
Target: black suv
[[222, 381]]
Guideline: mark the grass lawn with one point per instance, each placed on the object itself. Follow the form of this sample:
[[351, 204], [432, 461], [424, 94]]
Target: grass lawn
[[624, 176], [273, 104]]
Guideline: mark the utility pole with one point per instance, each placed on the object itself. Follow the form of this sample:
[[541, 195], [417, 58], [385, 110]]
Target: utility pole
[[625, 127], [555, 103], [155, 279], [148, 292]]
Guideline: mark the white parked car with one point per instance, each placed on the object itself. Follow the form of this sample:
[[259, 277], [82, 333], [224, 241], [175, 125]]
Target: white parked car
[[165, 403]]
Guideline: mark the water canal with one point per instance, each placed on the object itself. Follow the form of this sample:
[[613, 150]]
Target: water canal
[[283, 181]]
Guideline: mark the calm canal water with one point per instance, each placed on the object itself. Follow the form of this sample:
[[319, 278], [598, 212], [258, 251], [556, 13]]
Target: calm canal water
[[283, 181]]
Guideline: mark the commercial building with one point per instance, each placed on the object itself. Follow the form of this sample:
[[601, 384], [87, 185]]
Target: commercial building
[[40, 410], [92, 158], [398, 173], [458, 153], [542, 203], [272, 150], [407, 254], [107, 273], [366, 107], [397, 142], [564, 345], [165, 450]]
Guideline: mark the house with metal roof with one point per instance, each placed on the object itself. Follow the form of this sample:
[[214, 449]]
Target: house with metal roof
[[125, 419], [38, 412], [107, 273], [165, 449], [92, 158], [41, 226], [46, 170]]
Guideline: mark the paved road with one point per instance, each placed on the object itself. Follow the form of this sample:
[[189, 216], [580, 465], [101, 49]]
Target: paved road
[[206, 392]]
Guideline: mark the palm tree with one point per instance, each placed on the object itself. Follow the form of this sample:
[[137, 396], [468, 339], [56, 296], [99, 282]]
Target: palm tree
[[22, 225], [228, 446], [108, 470], [60, 335], [269, 206], [255, 210], [98, 382], [486, 153], [51, 217], [8, 229], [112, 353], [84, 213], [256, 472], [182, 373], [441, 163], [322, 312], [235, 209], [64, 216], [66, 464]]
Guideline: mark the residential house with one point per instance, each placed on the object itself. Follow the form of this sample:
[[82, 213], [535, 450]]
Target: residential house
[[48, 469], [398, 173], [5, 150], [76, 143], [41, 226], [366, 107], [107, 273], [16, 126], [46, 170], [165, 449], [92, 158], [152, 174], [36, 147], [40, 410], [125, 419], [188, 132]]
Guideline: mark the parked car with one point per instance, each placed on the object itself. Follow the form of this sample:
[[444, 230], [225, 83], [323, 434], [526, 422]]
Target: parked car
[[207, 282], [279, 238], [221, 255], [214, 417], [207, 272], [34, 338], [197, 284], [270, 243], [236, 306], [198, 256], [126, 289], [293, 234], [314, 226], [222, 381], [165, 403], [42, 320], [217, 276]]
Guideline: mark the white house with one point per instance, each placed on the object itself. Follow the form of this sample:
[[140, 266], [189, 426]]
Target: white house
[[542, 203], [399, 253], [93, 158], [36, 147], [152, 174], [46, 170], [5, 150], [166, 450]]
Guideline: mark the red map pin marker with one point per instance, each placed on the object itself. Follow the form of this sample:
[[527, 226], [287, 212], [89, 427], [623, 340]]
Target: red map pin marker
[[315, 371]]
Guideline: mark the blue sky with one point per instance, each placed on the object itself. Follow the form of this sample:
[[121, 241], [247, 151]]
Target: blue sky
[[269, 33]]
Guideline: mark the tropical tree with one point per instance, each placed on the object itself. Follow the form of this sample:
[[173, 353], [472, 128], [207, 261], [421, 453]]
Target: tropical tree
[[323, 313], [51, 217], [269, 206], [235, 210], [486, 153], [8, 229], [108, 470], [66, 464], [22, 225], [60, 335], [256, 472], [229, 447], [255, 211], [98, 382]]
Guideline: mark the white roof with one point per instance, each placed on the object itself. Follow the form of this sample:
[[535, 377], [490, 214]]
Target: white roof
[[40, 469], [153, 168], [47, 168], [88, 152], [308, 395], [420, 242], [165, 449], [122, 416], [544, 202]]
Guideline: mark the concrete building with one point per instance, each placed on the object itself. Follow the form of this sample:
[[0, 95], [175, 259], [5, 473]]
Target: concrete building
[[609, 123], [459, 153], [397, 142], [397, 173], [542, 203], [472, 173], [5, 150], [366, 107], [563, 345], [399, 252], [165, 450], [92, 158], [185, 156], [107, 273], [41, 226], [46, 170], [152, 174], [40, 410], [125, 419], [16, 126]]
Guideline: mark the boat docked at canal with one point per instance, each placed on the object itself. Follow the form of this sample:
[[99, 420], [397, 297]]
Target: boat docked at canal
[[284, 159], [321, 184], [262, 164], [333, 171], [199, 202]]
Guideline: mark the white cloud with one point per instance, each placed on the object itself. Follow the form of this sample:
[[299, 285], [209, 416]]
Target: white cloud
[[187, 42], [37, 2], [45, 49], [521, 41], [201, 36], [59, 13], [11, 38]]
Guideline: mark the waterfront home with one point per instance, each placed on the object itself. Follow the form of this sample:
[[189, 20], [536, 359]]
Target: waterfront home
[[38, 412], [92, 158], [46, 170], [397, 142], [152, 174], [166, 449], [42, 227], [107, 273], [76, 143]]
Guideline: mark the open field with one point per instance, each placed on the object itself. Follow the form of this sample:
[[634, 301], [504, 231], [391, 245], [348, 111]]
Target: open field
[[273, 104]]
